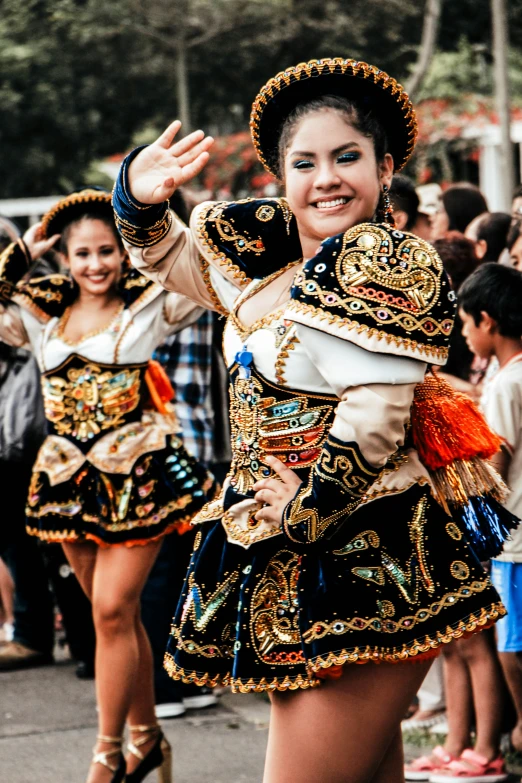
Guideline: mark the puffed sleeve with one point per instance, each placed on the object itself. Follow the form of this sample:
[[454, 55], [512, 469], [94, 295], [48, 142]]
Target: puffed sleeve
[[369, 426], [212, 260]]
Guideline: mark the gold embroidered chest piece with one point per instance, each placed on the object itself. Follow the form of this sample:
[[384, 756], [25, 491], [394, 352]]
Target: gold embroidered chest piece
[[82, 399]]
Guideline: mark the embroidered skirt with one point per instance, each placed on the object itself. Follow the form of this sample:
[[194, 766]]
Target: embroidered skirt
[[161, 494], [395, 583]]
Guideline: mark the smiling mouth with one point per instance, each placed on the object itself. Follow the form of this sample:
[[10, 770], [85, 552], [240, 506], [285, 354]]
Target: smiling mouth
[[332, 203], [96, 278]]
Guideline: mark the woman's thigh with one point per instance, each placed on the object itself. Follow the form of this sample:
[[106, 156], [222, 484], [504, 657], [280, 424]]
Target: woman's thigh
[[82, 559], [341, 731], [120, 574]]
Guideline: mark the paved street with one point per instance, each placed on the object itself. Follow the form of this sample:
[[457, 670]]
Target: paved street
[[48, 726]]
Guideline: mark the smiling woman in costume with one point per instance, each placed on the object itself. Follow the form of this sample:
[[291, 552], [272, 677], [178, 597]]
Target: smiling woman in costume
[[349, 526], [112, 478]]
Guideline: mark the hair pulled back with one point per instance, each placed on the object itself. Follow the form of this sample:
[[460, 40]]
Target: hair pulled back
[[356, 113]]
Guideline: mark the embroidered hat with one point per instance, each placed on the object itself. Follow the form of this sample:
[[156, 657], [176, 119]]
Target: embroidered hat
[[73, 206], [332, 76]]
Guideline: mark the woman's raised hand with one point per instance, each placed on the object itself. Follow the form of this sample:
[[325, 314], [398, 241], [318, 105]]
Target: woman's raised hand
[[162, 167], [35, 242]]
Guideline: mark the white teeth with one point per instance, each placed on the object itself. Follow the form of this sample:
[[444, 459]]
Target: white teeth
[[335, 203]]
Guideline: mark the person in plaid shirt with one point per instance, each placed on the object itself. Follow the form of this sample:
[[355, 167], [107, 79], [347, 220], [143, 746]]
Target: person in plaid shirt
[[192, 359]]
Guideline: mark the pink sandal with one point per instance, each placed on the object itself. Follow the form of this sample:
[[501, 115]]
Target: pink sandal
[[423, 767], [471, 768]]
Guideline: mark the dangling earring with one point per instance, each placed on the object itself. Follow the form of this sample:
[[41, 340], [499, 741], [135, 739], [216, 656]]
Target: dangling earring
[[387, 207]]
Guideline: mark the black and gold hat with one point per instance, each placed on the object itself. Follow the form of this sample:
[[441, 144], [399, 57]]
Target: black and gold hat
[[73, 206], [332, 76]]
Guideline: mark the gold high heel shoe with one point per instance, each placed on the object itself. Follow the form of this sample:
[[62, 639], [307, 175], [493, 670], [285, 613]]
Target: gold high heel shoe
[[159, 757], [102, 757]]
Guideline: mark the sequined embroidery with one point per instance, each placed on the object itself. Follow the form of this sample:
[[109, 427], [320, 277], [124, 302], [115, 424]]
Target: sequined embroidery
[[89, 399], [201, 612], [274, 621]]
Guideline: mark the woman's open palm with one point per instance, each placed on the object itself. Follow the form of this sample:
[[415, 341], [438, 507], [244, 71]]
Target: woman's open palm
[[162, 167]]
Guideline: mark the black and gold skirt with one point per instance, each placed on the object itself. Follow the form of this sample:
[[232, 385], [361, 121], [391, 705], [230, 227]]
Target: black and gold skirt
[[396, 582], [160, 495]]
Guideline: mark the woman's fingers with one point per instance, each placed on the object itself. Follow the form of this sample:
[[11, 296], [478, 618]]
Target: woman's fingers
[[266, 496], [268, 514], [192, 169], [169, 134], [191, 154], [286, 474], [187, 143]]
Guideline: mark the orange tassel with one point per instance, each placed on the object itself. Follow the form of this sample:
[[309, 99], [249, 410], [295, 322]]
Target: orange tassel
[[159, 386], [447, 425]]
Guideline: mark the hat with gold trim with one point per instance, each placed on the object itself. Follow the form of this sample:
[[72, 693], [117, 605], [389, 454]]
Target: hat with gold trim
[[92, 200], [350, 79]]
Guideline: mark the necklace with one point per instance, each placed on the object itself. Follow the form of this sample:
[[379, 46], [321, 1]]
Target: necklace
[[62, 324], [274, 313]]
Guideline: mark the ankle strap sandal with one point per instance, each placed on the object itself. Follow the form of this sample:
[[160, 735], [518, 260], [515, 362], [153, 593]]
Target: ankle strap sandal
[[159, 756], [102, 757]]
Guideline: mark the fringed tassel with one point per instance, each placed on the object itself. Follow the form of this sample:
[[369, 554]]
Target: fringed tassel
[[447, 426], [463, 479], [487, 525], [454, 442]]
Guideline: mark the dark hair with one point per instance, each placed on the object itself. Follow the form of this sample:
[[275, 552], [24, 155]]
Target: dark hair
[[404, 197], [458, 256], [362, 118], [514, 234], [493, 228], [94, 215], [497, 291], [517, 193], [463, 202]]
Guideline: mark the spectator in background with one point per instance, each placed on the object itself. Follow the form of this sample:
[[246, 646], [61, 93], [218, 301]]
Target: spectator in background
[[459, 260], [460, 204], [516, 206], [514, 244], [489, 233], [490, 301], [405, 202]]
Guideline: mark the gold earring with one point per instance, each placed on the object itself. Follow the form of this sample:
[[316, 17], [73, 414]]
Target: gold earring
[[387, 206]]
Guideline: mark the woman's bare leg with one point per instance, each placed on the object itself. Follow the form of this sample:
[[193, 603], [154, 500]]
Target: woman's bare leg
[[141, 709], [342, 731], [6, 594], [116, 576]]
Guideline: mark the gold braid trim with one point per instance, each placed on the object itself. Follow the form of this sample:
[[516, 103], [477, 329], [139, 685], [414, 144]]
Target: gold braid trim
[[216, 301], [237, 685], [408, 345], [473, 623]]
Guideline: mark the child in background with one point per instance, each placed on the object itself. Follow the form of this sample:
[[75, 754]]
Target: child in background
[[490, 305]]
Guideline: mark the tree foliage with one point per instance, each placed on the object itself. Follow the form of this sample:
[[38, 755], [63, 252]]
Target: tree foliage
[[83, 79]]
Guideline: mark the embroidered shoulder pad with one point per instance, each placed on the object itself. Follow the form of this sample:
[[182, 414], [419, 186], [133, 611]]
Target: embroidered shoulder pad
[[45, 297], [249, 238], [380, 288]]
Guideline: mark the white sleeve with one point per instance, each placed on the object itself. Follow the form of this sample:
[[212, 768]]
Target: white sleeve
[[344, 364], [178, 264]]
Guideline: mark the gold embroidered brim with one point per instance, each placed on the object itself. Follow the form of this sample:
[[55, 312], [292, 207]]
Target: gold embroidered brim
[[332, 76], [73, 206]]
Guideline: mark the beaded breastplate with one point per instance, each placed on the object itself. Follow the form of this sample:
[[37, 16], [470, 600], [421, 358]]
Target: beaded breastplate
[[84, 399], [269, 420]]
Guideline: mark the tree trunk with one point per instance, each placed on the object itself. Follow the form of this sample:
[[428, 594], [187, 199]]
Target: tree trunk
[[182, 86], [500, 53], [430, 31]]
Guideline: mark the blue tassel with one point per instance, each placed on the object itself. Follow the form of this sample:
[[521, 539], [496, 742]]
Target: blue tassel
[[487, 525]]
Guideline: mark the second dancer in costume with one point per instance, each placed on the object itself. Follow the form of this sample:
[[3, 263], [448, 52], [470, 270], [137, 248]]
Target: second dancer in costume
[[112, 477], [358, 500]]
